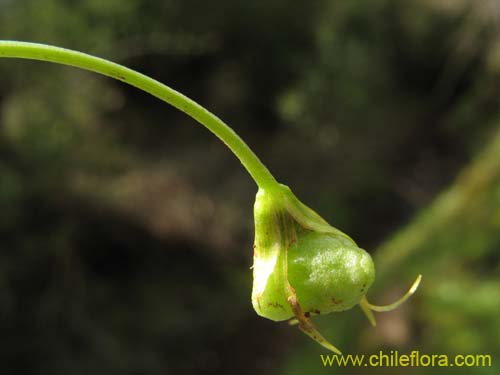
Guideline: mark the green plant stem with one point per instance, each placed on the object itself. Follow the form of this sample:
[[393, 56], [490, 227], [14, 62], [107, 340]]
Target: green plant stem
[[35, 51]]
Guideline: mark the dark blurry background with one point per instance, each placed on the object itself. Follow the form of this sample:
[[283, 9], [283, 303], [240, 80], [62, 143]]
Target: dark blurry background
[[126, 228]]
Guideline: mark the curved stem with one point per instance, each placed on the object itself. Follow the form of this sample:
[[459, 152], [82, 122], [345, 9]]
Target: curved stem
[[35, 51]]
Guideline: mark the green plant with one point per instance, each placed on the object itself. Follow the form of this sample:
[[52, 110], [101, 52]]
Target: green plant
[[302, 265]]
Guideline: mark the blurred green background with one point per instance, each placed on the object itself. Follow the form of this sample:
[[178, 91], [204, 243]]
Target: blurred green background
[[126, 229]]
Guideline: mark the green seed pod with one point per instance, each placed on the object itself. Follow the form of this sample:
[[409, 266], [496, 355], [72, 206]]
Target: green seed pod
[[325, 267], [328, 272], [303, 266]]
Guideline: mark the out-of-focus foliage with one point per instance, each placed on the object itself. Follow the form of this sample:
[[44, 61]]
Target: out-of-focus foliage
[[126, 229]]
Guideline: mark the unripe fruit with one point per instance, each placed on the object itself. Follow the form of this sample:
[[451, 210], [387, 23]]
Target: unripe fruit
[[328, 273], [304, 267], [297, 252]]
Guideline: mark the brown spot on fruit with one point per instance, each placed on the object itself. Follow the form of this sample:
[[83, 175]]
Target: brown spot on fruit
[[276, 305]]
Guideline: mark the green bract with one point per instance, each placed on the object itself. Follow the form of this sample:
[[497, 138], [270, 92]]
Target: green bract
[[302, 265]]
